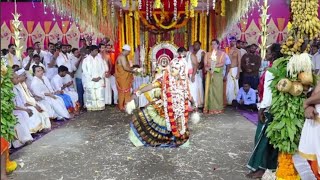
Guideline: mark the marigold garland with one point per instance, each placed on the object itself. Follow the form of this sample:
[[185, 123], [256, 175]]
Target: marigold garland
[[223, 8], [94, 7], [286, 170], [157, 4], [124, 3], [104, 8], [186, 9], [194, 3]]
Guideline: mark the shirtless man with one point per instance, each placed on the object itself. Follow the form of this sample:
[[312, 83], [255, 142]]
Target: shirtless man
[[234, 72], [124, 76]]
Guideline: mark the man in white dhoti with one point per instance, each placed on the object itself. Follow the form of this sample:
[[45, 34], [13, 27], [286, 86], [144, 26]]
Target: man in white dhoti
[[307, 160], [191, 68], [93, 76], [38, 118], [23, 135], [234, 72], [41, 87], [106, 57], [58, 84], [199, 53], [33, 99]]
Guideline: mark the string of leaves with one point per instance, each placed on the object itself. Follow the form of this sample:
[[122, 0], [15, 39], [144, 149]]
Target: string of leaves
[[8, 120], [287, 110]]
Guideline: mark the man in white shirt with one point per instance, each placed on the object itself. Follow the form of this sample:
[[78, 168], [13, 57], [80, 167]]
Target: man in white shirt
[[11, 58], [41, 87], [58, 84], [38, 50], [35, 62], [65, 60], [26, 62], [50, 61], [315, 58]]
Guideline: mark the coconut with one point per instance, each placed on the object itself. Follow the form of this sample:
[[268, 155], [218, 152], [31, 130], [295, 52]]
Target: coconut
[[296, 89], [284, 85], [305, 78]]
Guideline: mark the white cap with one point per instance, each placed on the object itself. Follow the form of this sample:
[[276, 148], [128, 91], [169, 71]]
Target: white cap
[[126, 47], [20, 72]]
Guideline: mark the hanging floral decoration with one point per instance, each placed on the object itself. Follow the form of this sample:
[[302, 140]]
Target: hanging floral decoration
[[186, 9], [213, 4], [264, 33], [104, 7], [175, 11], [208, 7], [139, 4], [94, 7], [86, 13], [124, 3], [112, 8]]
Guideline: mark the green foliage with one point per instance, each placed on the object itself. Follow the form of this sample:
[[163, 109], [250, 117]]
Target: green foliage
[[8, 120], [287, 110]]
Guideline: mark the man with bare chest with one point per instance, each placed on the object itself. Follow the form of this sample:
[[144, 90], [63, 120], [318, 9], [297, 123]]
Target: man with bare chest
[[234, 72]]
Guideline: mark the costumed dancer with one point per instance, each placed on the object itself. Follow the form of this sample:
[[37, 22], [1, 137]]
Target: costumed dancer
[[264, 155], [164, 121], [214, 62]]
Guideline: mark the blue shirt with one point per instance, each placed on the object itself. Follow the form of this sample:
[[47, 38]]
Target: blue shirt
[[248, 98]]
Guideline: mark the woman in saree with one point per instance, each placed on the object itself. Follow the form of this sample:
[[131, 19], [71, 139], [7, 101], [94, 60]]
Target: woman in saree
[[214, 62], [164, 121]]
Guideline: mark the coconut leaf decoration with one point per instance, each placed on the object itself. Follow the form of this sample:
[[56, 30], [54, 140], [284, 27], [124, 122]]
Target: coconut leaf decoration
[[8, 120]]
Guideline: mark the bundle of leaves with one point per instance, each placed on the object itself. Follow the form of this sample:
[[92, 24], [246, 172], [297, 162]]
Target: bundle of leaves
[[8, 120], [287, 110]]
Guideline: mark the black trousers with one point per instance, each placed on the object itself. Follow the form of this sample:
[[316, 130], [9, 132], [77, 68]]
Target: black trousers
[[252, 107]]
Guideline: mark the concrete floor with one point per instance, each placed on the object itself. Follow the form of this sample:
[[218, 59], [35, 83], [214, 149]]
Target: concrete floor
[[95, 147]]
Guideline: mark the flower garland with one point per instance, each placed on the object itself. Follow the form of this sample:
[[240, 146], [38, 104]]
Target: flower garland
[[223, 8], [147, 10], [112, 8], [208, 7], [124, 3], [104, 7], [94, 7], [157, 4], [139, 4], [286, 170], [175, 11], [176, 104], [8, 120], [194, 3], [186, 9], [146, 44], [213, 4]]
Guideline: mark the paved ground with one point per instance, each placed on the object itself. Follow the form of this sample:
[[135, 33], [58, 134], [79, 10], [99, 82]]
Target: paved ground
[[96, 147]]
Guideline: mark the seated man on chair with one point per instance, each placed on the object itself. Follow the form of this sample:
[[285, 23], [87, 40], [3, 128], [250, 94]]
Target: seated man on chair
[[246, 99]]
